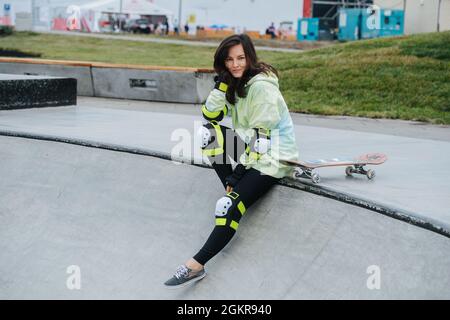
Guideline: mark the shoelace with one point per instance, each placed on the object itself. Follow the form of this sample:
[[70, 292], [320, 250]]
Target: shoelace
[[182, 272]]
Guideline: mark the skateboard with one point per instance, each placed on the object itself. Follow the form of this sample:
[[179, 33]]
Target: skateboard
[[305, 169]]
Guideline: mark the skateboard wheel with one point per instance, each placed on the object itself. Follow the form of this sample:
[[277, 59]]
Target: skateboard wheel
[[297, 173], [315, 178], [370, 174], [349, 171]]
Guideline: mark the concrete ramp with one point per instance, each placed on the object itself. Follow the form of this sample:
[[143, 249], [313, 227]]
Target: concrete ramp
[[126, 221]]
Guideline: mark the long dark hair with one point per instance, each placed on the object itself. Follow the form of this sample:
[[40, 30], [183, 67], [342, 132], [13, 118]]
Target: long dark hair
[[254, 67]]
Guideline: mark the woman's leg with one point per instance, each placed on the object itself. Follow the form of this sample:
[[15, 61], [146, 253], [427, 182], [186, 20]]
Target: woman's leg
[[229, 210], [233, 148]]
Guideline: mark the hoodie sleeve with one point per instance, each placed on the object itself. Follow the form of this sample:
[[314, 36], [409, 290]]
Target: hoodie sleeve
[[264, 111], [215, 107], [216, 101]]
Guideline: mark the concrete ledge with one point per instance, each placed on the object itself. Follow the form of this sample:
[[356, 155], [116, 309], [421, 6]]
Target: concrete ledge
[[412, 218], [154, 85], [139, 82], [77, 70], [19, 92], [146, 67]]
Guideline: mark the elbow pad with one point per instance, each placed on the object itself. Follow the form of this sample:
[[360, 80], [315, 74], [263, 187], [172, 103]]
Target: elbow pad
[[211, 139], [260, 144], [214, 116]]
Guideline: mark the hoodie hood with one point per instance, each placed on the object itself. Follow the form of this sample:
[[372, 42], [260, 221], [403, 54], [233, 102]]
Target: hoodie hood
[[271, 78]]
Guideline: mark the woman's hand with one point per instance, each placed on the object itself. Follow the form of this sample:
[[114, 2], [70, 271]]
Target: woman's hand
[[223, 77], [233, 179]]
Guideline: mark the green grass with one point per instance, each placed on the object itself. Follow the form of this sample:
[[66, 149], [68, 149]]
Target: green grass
[[398, 78], [106, 50]]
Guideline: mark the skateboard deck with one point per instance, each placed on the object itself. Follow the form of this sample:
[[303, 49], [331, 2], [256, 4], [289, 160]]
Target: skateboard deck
[[305, 169]]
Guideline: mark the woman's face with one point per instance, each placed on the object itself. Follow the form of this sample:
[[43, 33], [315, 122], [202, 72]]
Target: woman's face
[[236, 62]]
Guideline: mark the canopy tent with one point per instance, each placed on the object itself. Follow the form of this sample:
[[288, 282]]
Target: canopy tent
[[131, 7], [88, 17], [218, 26]]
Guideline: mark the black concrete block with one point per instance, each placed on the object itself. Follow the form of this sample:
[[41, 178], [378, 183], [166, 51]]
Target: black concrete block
[[22, 91]]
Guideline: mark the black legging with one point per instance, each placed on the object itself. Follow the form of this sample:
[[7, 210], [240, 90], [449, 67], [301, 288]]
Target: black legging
[[250, 188]]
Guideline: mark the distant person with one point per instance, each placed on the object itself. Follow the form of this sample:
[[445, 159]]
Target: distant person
[[186, 28], [248, 90], [160, 28], [271, 30], [111, 23], [281, 34], [176, 29], [116, 25], [166, 24]]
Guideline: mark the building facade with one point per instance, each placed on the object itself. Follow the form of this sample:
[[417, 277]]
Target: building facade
[[421, 15]]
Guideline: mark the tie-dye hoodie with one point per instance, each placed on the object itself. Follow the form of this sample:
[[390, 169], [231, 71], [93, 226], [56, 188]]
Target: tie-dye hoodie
[[263, 107]]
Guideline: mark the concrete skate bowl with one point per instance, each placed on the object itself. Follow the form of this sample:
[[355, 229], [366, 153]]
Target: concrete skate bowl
[[128, 220]]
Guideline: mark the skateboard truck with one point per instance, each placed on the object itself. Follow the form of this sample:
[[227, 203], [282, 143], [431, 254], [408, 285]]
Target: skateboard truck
[[349, 171], [306, 173]]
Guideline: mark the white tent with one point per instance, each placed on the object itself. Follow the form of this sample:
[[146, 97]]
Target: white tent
[[90, 14], [132, 7]]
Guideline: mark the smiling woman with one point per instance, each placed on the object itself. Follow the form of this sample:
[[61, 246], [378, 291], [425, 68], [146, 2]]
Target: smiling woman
[[263, 134], [236, 61]]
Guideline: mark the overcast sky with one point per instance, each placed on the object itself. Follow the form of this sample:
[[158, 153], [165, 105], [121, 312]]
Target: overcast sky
[[251, 14]]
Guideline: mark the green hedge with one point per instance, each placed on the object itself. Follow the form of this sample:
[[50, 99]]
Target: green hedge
[[6, 30]]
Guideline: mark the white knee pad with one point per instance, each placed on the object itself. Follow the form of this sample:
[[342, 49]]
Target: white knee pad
[[204, 136], [222, 206]]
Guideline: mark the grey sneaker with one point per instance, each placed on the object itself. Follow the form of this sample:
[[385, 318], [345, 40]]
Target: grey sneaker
[[184, 276]]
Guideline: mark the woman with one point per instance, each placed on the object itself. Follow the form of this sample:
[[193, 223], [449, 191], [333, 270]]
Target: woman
[[264, 134]]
